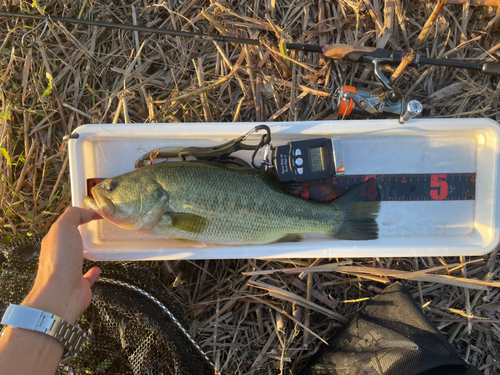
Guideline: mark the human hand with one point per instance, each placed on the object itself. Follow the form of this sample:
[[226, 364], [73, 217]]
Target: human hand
[[60, 286]]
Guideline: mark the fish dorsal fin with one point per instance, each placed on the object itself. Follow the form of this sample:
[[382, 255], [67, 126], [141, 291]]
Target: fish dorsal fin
[[188, 222]]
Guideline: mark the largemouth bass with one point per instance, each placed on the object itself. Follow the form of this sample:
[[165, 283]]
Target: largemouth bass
[[225, 205]]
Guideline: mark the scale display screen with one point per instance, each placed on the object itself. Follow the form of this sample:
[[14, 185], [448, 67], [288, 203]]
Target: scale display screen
[[308, 160], [317, 159]]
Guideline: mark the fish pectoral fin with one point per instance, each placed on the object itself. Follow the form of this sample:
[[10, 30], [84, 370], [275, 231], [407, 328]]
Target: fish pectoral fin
[[191, 243], [188, 222], [291, 237]]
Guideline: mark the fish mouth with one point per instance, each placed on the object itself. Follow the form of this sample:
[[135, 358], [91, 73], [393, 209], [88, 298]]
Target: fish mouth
[[100, 203]]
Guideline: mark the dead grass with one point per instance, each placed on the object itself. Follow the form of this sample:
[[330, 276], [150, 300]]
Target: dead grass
[[249, 320]]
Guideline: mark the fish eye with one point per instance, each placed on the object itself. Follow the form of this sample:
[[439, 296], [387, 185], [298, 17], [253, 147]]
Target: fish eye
[[112, 186]]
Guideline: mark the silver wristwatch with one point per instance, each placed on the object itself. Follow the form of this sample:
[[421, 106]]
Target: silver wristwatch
[[71, 337]]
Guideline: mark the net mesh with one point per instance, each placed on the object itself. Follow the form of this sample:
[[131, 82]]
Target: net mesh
[[131, 326], [389, 336], [133, 329]]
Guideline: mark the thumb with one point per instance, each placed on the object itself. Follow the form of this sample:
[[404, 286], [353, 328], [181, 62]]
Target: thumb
[[92, 275]]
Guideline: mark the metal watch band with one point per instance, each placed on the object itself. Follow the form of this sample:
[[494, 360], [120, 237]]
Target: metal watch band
[[71, 337]]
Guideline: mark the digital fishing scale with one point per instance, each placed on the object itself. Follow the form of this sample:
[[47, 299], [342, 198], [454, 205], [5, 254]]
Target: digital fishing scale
[[308, 160], [297, 161]]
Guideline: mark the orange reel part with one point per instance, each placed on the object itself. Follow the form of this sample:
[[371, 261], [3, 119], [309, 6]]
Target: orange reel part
[[345, 107]]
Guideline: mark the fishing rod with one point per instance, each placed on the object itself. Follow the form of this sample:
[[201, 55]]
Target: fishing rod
[[348, 100], [334, 51]]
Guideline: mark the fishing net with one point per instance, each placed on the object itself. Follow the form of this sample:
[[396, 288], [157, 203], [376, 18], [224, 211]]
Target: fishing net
[[133, 329], [389, 336], [131, 326]]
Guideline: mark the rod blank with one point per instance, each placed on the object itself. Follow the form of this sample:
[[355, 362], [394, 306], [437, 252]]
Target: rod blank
[[334, 51]]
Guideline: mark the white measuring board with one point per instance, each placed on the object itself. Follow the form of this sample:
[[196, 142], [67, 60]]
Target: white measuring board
[[423, 228]]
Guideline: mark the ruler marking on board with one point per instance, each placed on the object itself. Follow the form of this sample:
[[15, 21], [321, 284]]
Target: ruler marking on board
[[388, 187], [396, 187]]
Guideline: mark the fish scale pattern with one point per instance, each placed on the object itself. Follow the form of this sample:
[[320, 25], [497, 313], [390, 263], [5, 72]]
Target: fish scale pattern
[[239, 206]]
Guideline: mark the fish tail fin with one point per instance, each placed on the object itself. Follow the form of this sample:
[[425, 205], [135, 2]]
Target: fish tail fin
[[359, 222]]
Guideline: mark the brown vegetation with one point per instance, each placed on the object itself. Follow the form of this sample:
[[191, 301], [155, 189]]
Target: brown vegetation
[[249, 315]]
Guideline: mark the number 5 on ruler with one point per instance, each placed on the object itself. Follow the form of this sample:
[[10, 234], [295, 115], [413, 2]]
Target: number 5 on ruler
[[439, 187]]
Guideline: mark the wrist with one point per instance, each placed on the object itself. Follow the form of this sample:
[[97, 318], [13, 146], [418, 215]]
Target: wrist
[[52, 301]]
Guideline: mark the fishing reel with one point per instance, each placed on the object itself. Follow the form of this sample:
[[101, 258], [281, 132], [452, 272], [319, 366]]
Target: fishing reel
[[387, 101]]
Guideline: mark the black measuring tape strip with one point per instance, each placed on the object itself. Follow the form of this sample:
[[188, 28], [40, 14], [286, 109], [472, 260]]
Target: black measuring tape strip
[[396, 187], [387, 187]]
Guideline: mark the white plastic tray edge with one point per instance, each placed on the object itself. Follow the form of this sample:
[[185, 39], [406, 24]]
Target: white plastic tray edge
[[490, 235]]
